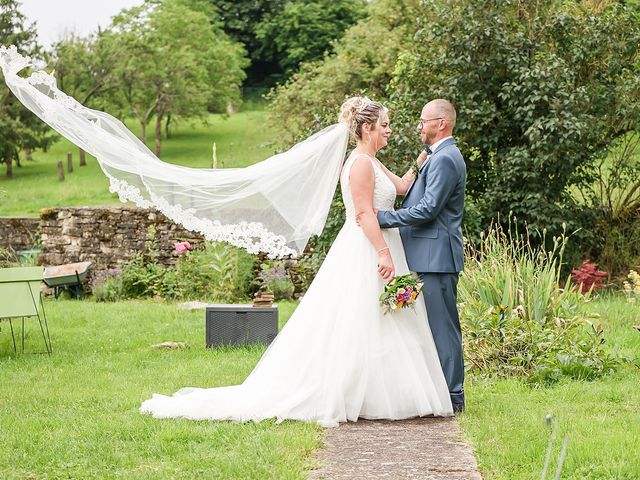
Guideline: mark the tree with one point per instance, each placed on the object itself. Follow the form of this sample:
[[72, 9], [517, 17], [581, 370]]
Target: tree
[[305, 29], [363, 62], [84, 69], [19, 128], [280, 34], [239, 20], [174, 63], [542, 90]]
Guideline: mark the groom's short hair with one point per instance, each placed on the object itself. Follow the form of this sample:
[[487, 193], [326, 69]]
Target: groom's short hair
[[444, 109]]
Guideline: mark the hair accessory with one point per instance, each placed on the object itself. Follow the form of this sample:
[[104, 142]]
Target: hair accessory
[[366, 101]]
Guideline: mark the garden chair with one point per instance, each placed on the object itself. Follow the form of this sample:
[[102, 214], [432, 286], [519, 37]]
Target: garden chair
[[20, 297]]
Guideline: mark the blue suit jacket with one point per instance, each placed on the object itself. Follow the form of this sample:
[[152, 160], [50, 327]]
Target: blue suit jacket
[[431, 215]]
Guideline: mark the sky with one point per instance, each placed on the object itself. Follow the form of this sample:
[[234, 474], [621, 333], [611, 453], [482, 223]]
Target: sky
[[54, 18]]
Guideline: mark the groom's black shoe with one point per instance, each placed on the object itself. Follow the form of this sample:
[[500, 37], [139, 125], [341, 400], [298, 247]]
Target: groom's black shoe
[[458, 408]]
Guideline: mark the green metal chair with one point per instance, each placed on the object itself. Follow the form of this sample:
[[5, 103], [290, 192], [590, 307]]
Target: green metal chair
[[20, 297]]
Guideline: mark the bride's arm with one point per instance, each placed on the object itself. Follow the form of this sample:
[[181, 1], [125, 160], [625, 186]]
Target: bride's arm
[[403, 183], [362, 182]]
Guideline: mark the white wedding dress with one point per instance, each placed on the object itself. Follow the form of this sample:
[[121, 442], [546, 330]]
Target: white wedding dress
[[339, 357]]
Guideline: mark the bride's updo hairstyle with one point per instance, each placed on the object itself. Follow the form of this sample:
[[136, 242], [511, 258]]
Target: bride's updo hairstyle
[[356, 111]]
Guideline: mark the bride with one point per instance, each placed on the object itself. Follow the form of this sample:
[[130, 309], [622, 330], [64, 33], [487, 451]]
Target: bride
[[339, 357]]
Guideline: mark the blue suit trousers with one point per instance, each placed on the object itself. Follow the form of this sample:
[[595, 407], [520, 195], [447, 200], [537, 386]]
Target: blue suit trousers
[[439, 294]]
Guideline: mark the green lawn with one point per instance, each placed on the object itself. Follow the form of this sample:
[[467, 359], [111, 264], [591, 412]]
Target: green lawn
[[241, 139], [75, 414], [505, 420]]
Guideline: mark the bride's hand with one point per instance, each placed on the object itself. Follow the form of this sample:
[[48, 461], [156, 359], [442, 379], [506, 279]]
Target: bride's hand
[[385, 265]]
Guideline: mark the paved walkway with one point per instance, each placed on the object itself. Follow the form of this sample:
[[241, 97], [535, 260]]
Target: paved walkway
[[423, 448]]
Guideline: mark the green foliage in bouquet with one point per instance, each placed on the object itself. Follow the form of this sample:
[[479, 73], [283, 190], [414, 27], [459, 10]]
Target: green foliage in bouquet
[[519, 321], [401, 292]]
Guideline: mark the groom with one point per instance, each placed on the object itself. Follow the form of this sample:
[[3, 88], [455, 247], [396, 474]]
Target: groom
[[430, 226]]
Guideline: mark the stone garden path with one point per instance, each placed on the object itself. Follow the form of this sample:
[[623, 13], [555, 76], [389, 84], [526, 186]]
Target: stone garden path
[[422, 448]]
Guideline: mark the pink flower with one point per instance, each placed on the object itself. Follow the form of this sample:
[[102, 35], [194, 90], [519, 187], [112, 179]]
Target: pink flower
[[181, 247]]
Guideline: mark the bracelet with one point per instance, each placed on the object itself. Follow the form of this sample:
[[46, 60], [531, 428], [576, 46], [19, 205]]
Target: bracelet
[[382, 250]]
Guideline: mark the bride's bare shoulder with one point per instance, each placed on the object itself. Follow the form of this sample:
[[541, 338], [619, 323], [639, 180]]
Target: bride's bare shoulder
[[361, 168]]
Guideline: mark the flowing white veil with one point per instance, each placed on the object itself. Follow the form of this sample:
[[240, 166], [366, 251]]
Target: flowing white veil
[[273, 206]]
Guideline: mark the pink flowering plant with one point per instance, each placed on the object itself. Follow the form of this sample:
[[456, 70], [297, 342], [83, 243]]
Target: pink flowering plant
[[182, 247], [401, 292]]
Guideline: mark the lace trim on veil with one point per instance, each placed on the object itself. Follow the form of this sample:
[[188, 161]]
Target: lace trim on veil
[[252, 236]]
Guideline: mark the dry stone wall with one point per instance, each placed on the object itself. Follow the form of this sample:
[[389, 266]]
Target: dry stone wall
[[18, 233], [106, 236]]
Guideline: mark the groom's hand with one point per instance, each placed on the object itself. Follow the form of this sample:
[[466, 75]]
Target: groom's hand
[[375, 213]]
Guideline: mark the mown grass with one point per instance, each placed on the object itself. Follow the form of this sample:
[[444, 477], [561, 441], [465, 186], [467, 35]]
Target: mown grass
[[241, 139], [75, 414], [505, 420]]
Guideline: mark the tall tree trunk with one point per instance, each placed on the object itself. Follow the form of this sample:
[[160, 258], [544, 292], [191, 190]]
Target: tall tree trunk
[[143, 132], [8, 158], [158, 133], [166, 126]]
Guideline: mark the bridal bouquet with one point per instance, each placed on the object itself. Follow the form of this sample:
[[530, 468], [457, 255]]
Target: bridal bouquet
[[401, 292]]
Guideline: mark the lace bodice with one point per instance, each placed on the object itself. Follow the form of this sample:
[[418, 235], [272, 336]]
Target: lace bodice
[[384, 192]]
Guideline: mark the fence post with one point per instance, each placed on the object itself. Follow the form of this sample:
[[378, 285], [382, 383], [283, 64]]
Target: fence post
[[69, 162], [60, 171]]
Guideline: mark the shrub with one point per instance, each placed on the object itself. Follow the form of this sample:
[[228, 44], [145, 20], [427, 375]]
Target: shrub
[[107, 286], [517, 319], [588, 278], [274, 277], [217, 272], [308, 266], [632, 286], [612, 207]]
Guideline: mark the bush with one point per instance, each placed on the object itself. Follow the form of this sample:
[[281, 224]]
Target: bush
[[516, 318], [308, 266], [217, 273], [107, 286], [588, 278], [142, 277], [274, 277], [612, 207], [632, 286]]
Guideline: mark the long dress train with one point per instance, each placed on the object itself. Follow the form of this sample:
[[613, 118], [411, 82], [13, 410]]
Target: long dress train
[[339, 357]]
